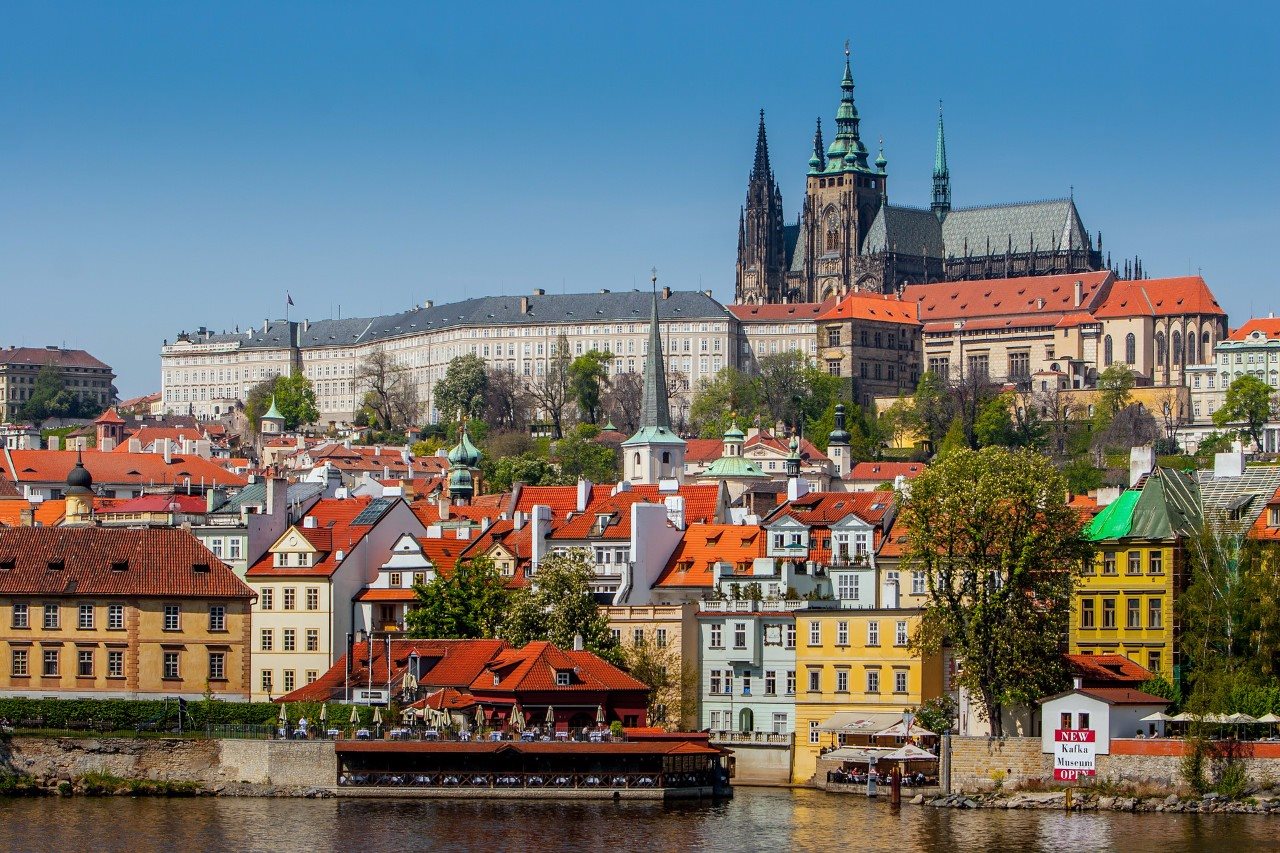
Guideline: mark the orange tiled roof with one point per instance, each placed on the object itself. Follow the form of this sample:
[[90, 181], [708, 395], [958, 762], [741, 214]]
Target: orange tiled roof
[[445, 550], [826, 508], [149, 435], [444, 663], [534, 668], [704, 545], [1160, 297], [52, 466], [880, 307], [808, 451], [1109, 669], [780, 312], [1268, 326], [703, 449], [147, 562], [956, 300], [110, 416], [386, 594], [187, 504], [561, 499], [885, 471], [1262, 529], [333, 532], [47, 513]]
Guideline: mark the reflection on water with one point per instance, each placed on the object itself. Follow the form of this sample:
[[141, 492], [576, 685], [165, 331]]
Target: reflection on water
[[757, 819]]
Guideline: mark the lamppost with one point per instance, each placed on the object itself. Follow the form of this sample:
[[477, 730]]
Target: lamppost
[[908, 717]]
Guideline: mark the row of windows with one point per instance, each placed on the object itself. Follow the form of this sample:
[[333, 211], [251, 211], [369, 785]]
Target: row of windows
[[721, 682], [86, 617], [86, 662], [288, 639], [901, 634], [1133, 563], [1133, 613], [288, 598], [901, 680], [721, 720], [289, 680]]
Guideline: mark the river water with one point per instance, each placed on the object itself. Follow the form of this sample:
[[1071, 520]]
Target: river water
[[756, 819]]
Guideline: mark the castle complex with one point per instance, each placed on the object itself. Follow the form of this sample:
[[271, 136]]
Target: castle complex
[[849, 237]]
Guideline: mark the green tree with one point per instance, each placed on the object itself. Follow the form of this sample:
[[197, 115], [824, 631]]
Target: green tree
[[1082, 476], [932, 410], [588, 379], [954, 439], [50, 398], [673, 681], [296, 400], [578, 454], [1115, 387], [471, 602], [729, 396], [527, 468], [559, 605], [463, 388], [1248, 402], [995, 423], [998, 547]]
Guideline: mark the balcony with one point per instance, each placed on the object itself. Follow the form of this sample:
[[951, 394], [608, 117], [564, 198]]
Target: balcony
[[762, 606], [751, 737]]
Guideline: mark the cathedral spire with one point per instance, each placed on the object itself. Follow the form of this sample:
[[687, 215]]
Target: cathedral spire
[[761, 167], [941, 177], [847, 151], [816, 161], [654, 408]]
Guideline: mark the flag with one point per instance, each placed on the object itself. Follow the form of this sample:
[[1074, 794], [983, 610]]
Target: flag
[[288, 297]]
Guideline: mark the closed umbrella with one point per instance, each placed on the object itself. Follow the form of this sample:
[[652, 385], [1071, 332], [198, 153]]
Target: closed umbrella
[[355, 716], [479, 717], [517, 719], [324, 713], [551, 716], [284, 714], [377, 716], [600, 715]]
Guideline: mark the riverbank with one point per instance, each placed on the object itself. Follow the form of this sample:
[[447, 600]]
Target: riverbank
[[1263, 803]]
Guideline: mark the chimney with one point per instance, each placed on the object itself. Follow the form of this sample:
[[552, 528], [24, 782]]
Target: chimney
[[517, 521], [27, 517], [265, 325], [524, 305], [540, 525], [188, 446], [105, 446], [1076, 682], [214, 498], [167, 452], [666, 293], [339, 556], [434, 531], [1040, 303], [135, 445], [1079, 295], [277, 490], [55, 442], [1229, 464], [584, 494], [484, 524], [306, 324], [203, 448], [579, 644], [309, 522], [675, 510], [1142, 461], [462, 532], [538, 291], [889, 595], [442, 502]]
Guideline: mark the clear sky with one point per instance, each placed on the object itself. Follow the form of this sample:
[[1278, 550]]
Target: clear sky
[[167, 165]]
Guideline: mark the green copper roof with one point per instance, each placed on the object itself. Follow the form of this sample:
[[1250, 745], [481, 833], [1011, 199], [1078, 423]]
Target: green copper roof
[[273, 412], [464, 453], [847, 153], [734, 467], [654, 435], [655, 412]]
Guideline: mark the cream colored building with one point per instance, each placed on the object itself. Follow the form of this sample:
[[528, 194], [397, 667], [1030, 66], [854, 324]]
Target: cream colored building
[[765, 329], [672, 631]]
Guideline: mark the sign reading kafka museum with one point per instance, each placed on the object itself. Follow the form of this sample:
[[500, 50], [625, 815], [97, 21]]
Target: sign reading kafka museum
[[1074, 753]]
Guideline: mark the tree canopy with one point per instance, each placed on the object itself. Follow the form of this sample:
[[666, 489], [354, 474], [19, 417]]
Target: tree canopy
[[472, 602], [998, 546], [390, 394], [462, 390], [1248, 402], [558, 606], [295, 398], [51, 398], [588, 381]]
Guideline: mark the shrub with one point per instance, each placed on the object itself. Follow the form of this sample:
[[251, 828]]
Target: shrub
[[1193, 763], [1233, 781]]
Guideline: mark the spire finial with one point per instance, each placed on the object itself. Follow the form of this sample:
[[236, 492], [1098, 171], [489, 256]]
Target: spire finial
[[846, 48], [760, 169], [653, 278]]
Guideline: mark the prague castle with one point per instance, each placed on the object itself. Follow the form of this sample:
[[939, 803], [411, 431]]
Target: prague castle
[[849, 237]]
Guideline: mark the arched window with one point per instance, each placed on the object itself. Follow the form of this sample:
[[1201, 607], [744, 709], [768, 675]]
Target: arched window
[[1191, 348], [1175, 345], [1106, 351], [1130, 349], [1205, 348], [666, 457], [635, 460], [1160, 349], [833, 232]]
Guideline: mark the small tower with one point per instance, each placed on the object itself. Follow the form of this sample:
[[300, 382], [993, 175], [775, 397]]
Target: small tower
[[762, 261], [797, 486], [79, 494], [736, 471], [272, 423], [110, 430], [838, 444], [655, 452], [464, 458], [941, 205]]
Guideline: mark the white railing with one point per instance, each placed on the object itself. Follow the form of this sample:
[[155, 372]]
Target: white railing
[[750, 737], [748, 606]]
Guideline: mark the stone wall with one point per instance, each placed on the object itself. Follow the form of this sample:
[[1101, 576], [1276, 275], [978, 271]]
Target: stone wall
[[979, 763], [761, 764], [206, 762]]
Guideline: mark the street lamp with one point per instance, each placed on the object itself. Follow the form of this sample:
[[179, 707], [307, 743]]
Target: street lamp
[[908, 717]]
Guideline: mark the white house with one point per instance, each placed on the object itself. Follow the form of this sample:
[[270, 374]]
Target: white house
[[1108, 711]]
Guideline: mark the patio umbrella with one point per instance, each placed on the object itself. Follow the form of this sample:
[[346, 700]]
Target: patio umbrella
[[479, 717], [1268, 718], [909, 752], [551, 716], [600, 715], [284, 714], [517, 718], [355, 716], [1241, 719], [1185, 717], [1158, 717], [324, 713], [377, 715], [899, 729]]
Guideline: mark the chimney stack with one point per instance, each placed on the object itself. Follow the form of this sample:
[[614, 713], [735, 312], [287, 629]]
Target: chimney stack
[[1079, 294]]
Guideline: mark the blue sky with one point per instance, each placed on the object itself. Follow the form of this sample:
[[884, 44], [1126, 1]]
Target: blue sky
[[164, 166]]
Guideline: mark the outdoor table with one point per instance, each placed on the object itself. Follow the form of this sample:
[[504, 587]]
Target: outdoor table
[[333, 733], [363, 734]]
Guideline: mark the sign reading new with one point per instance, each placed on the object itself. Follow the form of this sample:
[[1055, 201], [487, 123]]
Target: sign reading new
[[1074, 754]]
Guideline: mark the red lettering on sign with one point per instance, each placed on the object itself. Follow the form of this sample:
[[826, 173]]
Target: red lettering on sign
[[1075, 736]]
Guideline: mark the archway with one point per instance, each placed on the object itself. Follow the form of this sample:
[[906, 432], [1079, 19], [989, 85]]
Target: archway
[[746, 720]]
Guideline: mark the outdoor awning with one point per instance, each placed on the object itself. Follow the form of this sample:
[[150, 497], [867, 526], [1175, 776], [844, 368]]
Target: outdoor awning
[[855, 754], [858, 722], [899, 729]]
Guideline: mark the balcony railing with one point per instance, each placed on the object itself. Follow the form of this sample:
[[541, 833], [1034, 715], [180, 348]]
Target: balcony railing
[[749, 606], [751, 737]]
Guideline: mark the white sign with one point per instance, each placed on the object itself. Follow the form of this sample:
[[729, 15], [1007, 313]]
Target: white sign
[[1074, 753]]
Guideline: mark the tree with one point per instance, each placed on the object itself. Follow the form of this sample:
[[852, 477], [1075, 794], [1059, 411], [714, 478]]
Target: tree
[[506, 405], [526, 468], [1114, 387], [579, 455], [995, 423], [50, 398], [588, 378], [551, 390], [559, 606], [390, 393], [1248, 402], [730, 395], [296, 399], [932, 410], [622, 401], [1132, 426], [471, 602], [673, 681], [998, 546], [462, 390]]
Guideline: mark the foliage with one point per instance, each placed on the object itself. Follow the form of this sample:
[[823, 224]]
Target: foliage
[[579, 455], [1248, 401], [390, 394], [527, 468], [1232, 780], [99, 783], [729, 396], [1130, 426], [1115, 385], [1162, 687], [1214, 442], [995, 423], [551, 390], [954, 439], [127, 714], [296, 400], [560, 605], [588, 379], [998, 546], [506, 403], [937, 715], [622, 401], [1081, 475], [470, 603], [462, 389], [51, 398], [673, 682]]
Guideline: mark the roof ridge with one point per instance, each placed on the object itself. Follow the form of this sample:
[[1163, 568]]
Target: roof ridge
[[1012, 204]]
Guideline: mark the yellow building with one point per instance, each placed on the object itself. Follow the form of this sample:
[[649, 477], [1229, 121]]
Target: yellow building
[[1125, 599], [119, 613], [855, 661]]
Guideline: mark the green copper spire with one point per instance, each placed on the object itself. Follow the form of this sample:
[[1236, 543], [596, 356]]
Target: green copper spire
[[880, 161], [847, 153], [815, 162], [273, 412], [941, 177], [654, 408]]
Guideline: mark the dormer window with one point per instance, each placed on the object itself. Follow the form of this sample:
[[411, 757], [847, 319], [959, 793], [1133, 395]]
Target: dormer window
[[395, 579], [57, 564], [562, 678], [496, 678]]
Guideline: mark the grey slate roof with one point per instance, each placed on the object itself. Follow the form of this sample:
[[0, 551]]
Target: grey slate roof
[[623, 306], [255, 494], [906, 230], [1052, 224], [790, 245], [1255, 487]]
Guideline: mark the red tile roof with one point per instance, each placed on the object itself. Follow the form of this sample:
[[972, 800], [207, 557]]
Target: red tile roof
[[1268, 326], [110, 416], [704, 545], [780, 312], [443, 663], [385, 594], [445, 550], [880, 472], [700, 504], [1123, 696], [146, 562], [1160, 297], [808, 451], [333, 532], [879, 307], [47, 513], [186, 504], [561, 499], [52, 466], [703, 449], [826, 508], [149, 435], [955, 300], [1107, 670], [9, 489], [534, 668], [49, 355], [1262, 529]]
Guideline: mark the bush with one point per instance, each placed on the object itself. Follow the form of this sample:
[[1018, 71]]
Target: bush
[[1233, 781], [119, 715], [1193, 763]]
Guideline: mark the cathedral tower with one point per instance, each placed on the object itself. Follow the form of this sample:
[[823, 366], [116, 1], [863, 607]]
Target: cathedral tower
[[761, 242], [843, 194], [941, 205]]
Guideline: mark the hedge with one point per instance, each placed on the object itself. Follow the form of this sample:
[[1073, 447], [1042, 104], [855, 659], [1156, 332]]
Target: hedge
[[126, 714]]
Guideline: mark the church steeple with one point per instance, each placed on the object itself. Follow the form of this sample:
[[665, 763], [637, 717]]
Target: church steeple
[[655, 452], [815, 162], [655, 410], [762, 262], [941, 205], [761, 168], [847, 153]]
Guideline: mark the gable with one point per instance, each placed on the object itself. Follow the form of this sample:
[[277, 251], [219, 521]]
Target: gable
[[293, 542]]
